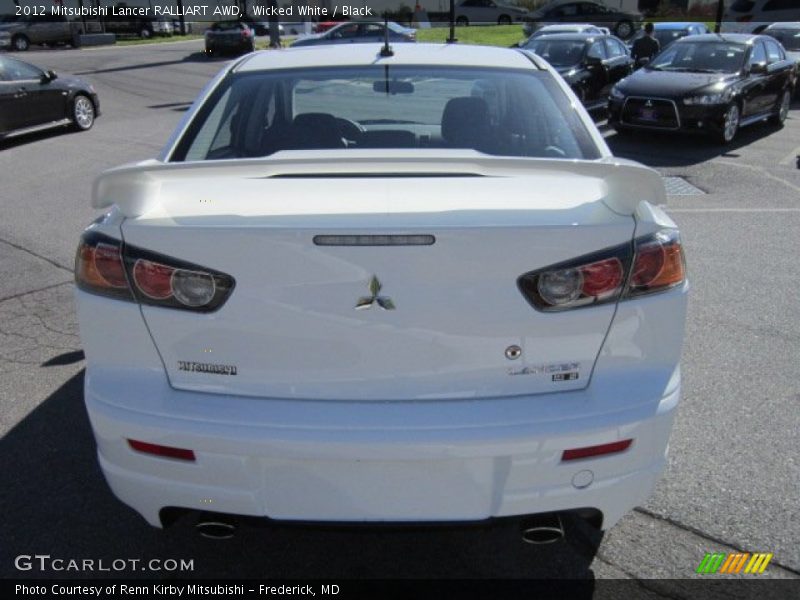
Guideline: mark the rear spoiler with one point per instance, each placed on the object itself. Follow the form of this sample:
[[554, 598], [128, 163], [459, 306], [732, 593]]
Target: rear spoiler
[[135, 188]]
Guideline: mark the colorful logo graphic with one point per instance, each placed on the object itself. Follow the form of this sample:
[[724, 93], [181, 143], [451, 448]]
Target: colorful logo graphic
[[737, 562]]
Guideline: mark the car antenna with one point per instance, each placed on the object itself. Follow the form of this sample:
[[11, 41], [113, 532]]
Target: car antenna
[[387, 49]]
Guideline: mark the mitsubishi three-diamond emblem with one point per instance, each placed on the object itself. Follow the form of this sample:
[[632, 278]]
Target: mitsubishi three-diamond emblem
[[366, 302]]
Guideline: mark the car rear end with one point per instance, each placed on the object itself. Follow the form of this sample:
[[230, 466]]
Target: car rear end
[[229, 37], [382, 333]]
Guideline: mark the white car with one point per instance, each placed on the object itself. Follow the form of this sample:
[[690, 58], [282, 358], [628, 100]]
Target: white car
[[753, 16], [570, 28], [363, 285]]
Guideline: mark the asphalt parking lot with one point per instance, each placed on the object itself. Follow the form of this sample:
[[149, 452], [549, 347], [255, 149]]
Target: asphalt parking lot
[[732, 482]]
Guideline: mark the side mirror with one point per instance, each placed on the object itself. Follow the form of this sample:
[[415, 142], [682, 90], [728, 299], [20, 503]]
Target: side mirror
[[49, 76], [758, 68]]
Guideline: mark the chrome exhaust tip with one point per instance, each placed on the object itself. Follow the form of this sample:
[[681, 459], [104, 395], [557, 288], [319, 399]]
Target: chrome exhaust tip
[[215, 529], [544, 529]]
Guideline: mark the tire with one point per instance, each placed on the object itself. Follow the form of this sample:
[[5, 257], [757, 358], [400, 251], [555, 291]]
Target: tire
[[145, 33], [730, 125], [504, 20], [623, 30], [779, 118], [210, 52], [463, 21], [20, 43], [83, 112]]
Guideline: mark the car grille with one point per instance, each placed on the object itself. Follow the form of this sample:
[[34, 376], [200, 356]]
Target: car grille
[[651, 112]]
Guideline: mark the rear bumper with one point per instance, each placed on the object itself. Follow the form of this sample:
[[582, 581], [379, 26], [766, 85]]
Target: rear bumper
[[359, 461]]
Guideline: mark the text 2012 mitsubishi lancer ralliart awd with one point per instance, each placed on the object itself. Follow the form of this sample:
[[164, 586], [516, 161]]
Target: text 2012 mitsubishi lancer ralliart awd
[[383, 285]]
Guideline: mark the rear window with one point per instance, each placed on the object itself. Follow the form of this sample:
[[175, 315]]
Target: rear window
[[494, 111], [559, 53], [790, 38]]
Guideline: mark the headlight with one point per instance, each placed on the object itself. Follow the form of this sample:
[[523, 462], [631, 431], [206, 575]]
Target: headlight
[[706, 99], [616, 93]]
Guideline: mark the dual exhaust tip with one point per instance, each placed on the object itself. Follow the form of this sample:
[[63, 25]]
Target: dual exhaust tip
[[215, 528], [543, 529], [538, 530]]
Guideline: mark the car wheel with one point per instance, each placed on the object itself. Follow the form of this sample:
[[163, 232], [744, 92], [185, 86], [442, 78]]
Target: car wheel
[[504, 20], [82, 112], [730, 124], [145, 33], [624, 30], [463, 21], [783, 109], [210, 52], [20, 43]]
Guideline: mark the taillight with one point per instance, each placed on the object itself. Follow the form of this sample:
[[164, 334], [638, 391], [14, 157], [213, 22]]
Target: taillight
[[99, 267], [651, 264], [108, 267]]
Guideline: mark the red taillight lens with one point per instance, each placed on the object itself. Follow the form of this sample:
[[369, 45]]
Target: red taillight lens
[[655, 263], [602, 277], [590, 451], [162, 451], [104, 266], [152, 279]]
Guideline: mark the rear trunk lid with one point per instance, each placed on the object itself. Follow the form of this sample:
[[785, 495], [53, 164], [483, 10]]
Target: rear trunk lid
[[305, 320]]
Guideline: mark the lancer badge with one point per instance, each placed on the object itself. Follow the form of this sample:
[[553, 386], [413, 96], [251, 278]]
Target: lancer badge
[[366, 302]]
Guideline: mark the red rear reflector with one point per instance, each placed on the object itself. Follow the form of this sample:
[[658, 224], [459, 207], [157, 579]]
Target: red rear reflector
[[163, 451], [589, 451]]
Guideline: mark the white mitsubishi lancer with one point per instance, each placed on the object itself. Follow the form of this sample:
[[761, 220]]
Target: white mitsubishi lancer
[[368, 284]]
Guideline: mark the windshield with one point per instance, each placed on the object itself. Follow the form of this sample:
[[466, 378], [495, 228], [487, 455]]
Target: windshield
[[701, 57], [790, 38], [495, 111], [666, 36], [559, 53]]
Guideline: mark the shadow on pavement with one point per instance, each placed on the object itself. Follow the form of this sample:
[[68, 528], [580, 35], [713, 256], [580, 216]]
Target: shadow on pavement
[[189, 58], [23, 140], [57, 503]]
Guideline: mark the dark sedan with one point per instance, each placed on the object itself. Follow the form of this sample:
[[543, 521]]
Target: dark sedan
[[707, 83], [591, 64], [620, 23], [33, 100], [229, 37]]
